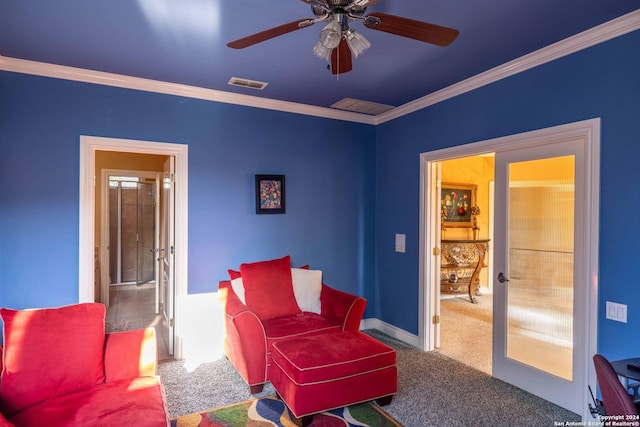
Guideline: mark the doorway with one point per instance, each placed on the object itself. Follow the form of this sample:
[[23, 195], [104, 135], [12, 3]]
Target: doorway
[[129, 241], [89, 226], [571, 391], [466, 315], [132, 227]]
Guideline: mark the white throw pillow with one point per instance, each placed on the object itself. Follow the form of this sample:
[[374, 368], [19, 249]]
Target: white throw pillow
[[307, 285], [238, 288]]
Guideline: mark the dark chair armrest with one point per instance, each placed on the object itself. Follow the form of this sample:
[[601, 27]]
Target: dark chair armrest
[[345, 308]]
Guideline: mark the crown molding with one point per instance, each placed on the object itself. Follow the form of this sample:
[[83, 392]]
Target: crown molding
[[136, 83], [596, 35], [604, 32]]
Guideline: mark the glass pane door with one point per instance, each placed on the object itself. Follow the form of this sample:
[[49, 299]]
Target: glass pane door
[[539, 321], [540, 262]]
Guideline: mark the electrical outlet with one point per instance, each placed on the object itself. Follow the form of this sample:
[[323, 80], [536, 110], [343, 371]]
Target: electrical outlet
[[617, 312]]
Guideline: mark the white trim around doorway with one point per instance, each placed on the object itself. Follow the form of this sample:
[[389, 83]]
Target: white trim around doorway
[[88, 147], [589, 130]]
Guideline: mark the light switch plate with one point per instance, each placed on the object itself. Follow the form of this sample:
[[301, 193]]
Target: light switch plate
[[401, 243], [616, 311]]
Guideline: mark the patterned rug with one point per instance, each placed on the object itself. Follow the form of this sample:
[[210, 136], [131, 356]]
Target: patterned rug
[[270, 411]]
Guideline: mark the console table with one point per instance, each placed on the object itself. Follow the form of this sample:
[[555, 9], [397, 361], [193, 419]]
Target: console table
[[461, 263]]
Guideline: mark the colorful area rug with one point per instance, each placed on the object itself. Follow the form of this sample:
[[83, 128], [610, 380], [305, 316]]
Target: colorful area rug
[[270, 411]]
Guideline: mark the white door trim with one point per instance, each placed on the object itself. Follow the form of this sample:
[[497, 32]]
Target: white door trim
[[88, 147], [587, 129]]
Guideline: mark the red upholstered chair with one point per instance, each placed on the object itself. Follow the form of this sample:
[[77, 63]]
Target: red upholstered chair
[[616, 400], [262, 306]]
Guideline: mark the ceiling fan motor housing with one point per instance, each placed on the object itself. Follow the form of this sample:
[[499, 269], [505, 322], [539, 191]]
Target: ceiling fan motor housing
[[333, 7], [338, 3]]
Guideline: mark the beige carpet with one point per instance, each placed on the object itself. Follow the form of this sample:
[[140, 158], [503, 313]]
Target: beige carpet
[[433, 390], [466, 331], [117, 326]]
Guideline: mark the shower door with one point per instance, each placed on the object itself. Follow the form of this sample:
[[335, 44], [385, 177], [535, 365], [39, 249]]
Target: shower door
[[145, 243], [132, 226]]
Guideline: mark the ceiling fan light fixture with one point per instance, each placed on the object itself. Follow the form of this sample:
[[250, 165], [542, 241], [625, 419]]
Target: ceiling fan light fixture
[[322, 52], [357, 42], [330, 36]]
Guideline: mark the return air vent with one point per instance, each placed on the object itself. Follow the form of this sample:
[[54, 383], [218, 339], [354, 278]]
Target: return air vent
[[364, 107], [251, 84]]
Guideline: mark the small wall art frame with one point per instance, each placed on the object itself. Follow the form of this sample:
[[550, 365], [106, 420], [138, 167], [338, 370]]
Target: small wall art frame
[[270, 194], [456, 201]]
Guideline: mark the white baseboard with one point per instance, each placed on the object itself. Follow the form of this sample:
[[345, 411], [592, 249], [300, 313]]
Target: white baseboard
[[392, 331]]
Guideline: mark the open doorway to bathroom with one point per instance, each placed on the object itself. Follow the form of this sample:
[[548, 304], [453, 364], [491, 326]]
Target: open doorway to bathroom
[[128, 230], [93, 239]]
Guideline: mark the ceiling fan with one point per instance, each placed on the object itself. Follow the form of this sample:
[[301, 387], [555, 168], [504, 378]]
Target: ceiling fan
[[338, 41]]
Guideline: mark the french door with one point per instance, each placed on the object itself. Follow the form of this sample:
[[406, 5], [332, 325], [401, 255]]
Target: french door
[[166, 257], [540, 286]]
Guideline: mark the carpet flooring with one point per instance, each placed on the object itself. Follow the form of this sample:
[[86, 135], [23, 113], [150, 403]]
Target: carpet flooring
[[466, 331], [433, 390]]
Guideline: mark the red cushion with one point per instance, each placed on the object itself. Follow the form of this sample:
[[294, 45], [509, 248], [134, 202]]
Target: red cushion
[[268, 288], [4, 422], [233, 274], [130, 354], [343, 355], [321, 372], [298, 325], [50, 352], [137, 402]]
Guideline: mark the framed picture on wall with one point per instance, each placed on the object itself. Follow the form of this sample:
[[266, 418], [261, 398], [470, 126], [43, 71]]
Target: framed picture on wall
[[456, 201], [270, 194]]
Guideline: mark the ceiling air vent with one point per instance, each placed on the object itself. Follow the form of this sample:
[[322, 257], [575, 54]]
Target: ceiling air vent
[[251, 84], [364, 107]]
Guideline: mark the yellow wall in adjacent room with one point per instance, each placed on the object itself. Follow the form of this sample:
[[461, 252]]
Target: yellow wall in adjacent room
[[477, 170]]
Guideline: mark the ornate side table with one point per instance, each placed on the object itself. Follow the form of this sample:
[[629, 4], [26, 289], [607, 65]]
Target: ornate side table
[[461, 263]]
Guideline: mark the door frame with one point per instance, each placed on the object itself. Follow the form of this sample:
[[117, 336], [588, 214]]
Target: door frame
[[88, 147], [589, 130]]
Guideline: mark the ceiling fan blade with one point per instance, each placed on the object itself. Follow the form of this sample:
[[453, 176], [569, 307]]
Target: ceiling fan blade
[[269, 34], [320, 3], [417, 30], [341, 59]]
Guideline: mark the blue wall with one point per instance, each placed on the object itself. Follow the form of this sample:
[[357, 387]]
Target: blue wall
[[603, 81], [337, 220], [329, 167]]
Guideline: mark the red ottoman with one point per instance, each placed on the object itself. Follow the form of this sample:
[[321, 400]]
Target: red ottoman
[[322, 372]]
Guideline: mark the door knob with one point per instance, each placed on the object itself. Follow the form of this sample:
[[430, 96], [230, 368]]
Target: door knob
[[502, 278]]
